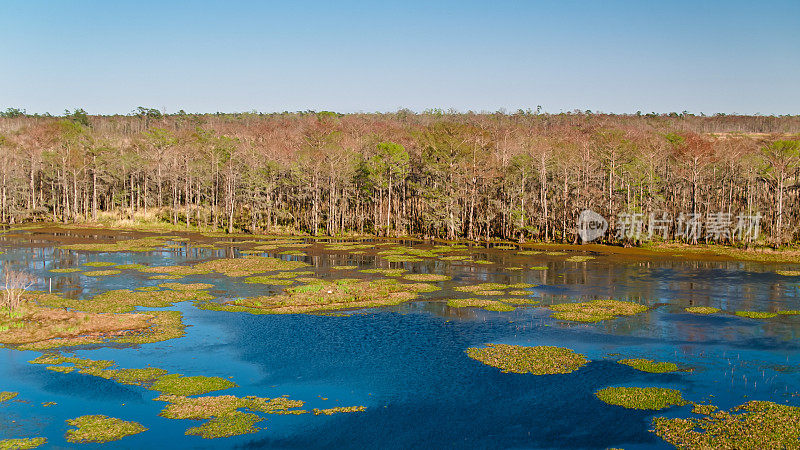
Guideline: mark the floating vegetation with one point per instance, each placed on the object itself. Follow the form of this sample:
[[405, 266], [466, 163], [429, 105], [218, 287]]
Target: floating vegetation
[[176, 270], [455, 258], [186, 286], [386, 272], [235, 423], [247, 266], [339, 409], [49, 404], [164, 326], [542, 360], [124, 300], [137, 377], [702, 310], [529, 252], [788, 273], [520, 301], [539, 268], [326, 296], [101, 429], [402, 258], [789, 312], [555, 253], [705, 410], [489, 305], [481, 287], [756, 314], [101, 273], [293, 253], [6, 396], [127, 245], [165, 277], [521, 286], [99, 264], [755, 424], [596, 310], [22, 444], [521, 293], [482, 261], [177, 384], [68, 270], [641, 397], [344, 267], [579, 258], [646, 365], [426, 277]]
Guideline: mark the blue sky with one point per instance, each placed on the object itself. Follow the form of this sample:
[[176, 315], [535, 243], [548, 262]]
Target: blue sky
[[206, 56]]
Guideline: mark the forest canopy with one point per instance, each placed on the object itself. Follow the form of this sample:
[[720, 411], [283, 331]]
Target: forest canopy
[[522, 176]]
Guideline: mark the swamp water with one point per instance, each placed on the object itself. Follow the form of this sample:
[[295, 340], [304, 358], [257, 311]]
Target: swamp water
[[407, 363]]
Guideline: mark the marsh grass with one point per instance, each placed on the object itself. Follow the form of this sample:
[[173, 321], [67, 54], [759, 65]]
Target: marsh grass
[[595, 310], [542, 360], [177, 384], [101, 273], [248, 266], [22, 443], [127, 245], [66, 270], [99, 264], [101, 429], [165, 277], [137, 267], [641, 397], [753, 425], [260, 279], [488, 305], [646, 365], [175, 270], [756, 314], [702, 310], [426, 277]]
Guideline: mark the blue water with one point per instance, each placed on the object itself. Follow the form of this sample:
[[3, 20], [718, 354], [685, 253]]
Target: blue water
[[407, 364]]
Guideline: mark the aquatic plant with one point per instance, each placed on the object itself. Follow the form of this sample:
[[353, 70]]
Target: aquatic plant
[[705, 410], [131, 267], [539, 268], [101, 273], [578, 258], [489, 305], [788, 273], [596, 310], [789, 312], [426, 277], [481, 287], [175, 270], [6, 396], [247, 266], [127, 245], [702, 310], [338, 410], [262, 279], [386, 272], [99, 264], [235, 423], [137, 377], [177, 384], [344, 267], [66, 270], [753, 425], [646, 365], [22, 443], [541, 360], [101, 429], [455, 258], [186, 286], [162, 326], [165, 277], [529, 252], [756, 314], [641, 397]]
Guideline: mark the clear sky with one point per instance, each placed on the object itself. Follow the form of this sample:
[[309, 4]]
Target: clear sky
[[207, 56]]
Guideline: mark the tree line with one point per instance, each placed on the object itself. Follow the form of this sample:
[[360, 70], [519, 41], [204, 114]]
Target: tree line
[[523, 176]]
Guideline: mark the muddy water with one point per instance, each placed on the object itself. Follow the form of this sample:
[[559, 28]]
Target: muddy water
[[407, 364]]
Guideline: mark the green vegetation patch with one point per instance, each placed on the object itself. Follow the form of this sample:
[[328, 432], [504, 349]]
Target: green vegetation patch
[[186, 286], [128, 245], [261, 279], [596, 310], [455, 258], [66, 270], [138, 267], [101, 273], [247, 266], [101, 429], [788, 273], [579, 258], [165, 277], [124, 300], [542, 360], [327, 296], [99, 264], [755, 424], [646, 365], [338, 410], [177, 384], [474, 288], [6, 396], [756, 314], [136, 377], [180, 271], [426, 277], [344, 267], [22, 444], [641, 397], [702, 310], [386, 272], [235, 423], [489, 305], [539, 268]]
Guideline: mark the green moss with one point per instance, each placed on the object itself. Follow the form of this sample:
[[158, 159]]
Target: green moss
[[99, 264], [756, 314], [6, 396], [100, 429], [641, 398], [489, 305], [542, 360], [753, 425], [101, 273], [68, 270], [646, 365], [22, 444], [177, 384], [596, 310], [702, 310]]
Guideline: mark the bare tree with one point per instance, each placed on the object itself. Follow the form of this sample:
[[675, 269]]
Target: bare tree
[[17, 282]]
